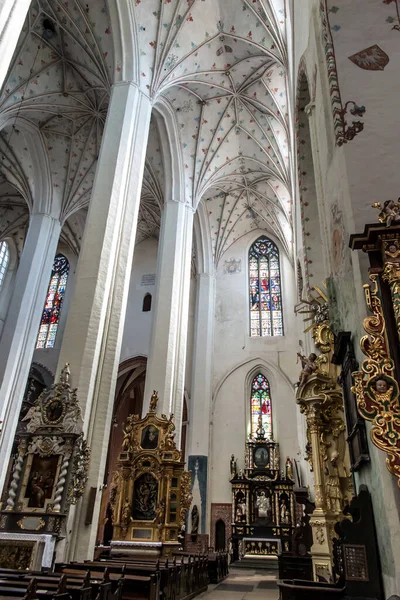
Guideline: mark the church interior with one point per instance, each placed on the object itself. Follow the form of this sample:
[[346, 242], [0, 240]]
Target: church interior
[[199, 300]]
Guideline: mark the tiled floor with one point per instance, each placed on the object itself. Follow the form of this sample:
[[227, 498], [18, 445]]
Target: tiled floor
[[244, 585]]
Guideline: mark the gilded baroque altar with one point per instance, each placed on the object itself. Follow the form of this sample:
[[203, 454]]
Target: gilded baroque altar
[[151, 489], [263, 502]]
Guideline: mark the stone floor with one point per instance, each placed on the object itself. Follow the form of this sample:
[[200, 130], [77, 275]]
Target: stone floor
[[244, 585]]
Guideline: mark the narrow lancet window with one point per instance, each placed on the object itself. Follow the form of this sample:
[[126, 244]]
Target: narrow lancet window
[[261, 405], [265, 289], [54, 300]]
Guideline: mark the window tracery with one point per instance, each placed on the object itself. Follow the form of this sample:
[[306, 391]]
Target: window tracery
[[260, 404], [265, 289], [54, 300], [4, 260]]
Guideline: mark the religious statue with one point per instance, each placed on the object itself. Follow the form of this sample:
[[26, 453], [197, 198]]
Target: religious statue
[[233, 466], [181, 537], [241, 511], [333, 494], [309, 366], [263, 505], [195, 520], [389, 212], [284, 512], [126, 516], [153, 401], [65, 374], [34, 418], [289, 469], [169, 442], [160, 517]]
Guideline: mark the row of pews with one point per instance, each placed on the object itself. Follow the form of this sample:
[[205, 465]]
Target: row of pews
[[30, 585], [118, 578]]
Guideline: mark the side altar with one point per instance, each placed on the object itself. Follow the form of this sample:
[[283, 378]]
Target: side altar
[[151, 489], [48, 475], [263, 501]]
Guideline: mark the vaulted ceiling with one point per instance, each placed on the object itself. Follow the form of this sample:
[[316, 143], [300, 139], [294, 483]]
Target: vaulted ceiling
[[220, 64]]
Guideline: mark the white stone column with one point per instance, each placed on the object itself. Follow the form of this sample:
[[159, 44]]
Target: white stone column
[[21, 327], [200, 405], [93, 332], [12, 17], [167, 358]]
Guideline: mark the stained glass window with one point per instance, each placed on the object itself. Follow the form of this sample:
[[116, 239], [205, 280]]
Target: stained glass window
[[265, 289], [4, 260], [261, 405], [54, 300]]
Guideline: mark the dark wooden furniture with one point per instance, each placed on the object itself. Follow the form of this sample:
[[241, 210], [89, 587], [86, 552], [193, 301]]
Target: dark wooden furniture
[[294, 589], [356, 550]]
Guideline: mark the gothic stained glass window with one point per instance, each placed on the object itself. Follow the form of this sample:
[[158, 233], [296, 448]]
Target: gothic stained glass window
[[54, 300], [4, 260], [261, 405], [265, 289]]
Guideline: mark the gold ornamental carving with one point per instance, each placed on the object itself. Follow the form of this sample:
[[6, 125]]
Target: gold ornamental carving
[[150, 491], [375, 386], [319, 397]]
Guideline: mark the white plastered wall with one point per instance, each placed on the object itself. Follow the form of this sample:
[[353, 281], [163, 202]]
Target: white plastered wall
[[238, 358]]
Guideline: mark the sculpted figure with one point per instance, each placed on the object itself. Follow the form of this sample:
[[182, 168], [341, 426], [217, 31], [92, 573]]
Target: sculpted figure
[[233, 466], [33, 416], [383, 391], [289, 469], [284, 513], [153, 401], [195, 520], [309, 366], [241, 511], [263, 504]]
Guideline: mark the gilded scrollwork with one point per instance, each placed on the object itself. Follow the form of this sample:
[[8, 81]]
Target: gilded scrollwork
[[375, 386], [80, 471]]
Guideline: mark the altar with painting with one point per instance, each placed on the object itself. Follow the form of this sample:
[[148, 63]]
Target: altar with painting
[[263, 502]]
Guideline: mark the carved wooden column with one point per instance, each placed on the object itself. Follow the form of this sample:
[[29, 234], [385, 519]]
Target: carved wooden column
[[377, 383], [320, 399]]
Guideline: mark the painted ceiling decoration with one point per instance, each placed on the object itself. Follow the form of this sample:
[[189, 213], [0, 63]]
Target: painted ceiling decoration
[[59, 81], [220, 64]]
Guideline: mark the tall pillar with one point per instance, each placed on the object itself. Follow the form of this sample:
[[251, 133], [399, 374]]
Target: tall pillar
[[167, 358], [200, 406], [12, 17], [93, 332], [22, 324]]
